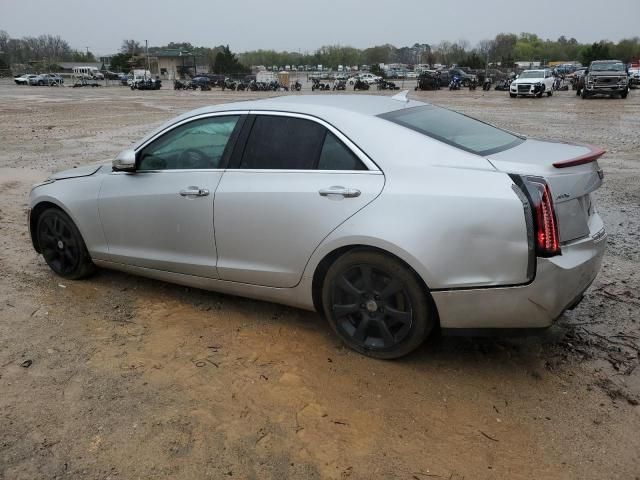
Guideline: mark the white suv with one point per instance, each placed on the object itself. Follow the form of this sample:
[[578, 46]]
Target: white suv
[[532, 82], [368, 78]]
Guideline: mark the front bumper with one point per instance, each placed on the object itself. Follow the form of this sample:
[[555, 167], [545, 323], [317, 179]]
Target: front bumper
[[525, 89], [559, 283]]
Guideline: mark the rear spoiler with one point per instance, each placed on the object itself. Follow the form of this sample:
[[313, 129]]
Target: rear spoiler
[[593, 154]]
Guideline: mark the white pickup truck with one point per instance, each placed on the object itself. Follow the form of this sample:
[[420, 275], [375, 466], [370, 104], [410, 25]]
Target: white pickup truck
[[532, 82]]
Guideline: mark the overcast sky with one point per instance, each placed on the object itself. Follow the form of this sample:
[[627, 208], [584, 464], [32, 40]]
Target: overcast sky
[[302, 25]]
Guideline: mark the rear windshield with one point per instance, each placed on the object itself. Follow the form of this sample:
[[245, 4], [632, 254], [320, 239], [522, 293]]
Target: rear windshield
[[454, 129]]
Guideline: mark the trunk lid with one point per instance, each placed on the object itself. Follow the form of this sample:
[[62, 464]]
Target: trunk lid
[[572, 173]]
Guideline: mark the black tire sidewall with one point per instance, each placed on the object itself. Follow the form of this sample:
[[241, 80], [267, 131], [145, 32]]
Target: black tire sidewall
[[84, 266], [424, 318]]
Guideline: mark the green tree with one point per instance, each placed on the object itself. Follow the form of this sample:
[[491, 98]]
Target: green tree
[[226, 62], [595, 51]]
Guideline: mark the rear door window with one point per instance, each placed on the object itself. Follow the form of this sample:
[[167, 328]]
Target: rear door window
[[283, 143], [335, 155]]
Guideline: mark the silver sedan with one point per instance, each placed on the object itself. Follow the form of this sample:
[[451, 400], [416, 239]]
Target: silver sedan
[[391, 216]]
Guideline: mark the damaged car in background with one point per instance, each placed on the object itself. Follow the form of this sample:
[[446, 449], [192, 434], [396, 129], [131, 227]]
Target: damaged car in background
[[532, 83], [391, 216]]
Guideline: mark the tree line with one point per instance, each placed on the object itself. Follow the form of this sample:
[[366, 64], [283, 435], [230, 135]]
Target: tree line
[[504, 49], [44, 49]]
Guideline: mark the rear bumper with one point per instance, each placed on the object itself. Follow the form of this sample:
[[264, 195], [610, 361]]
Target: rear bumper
[[558, 285]]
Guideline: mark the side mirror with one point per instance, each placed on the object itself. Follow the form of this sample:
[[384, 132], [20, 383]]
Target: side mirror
[[125, 161]]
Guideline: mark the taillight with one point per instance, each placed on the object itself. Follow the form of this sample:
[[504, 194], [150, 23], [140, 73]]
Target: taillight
[[547, 241]]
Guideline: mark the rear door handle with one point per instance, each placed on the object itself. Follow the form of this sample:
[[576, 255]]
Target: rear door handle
[[345, 192], [194, 192]]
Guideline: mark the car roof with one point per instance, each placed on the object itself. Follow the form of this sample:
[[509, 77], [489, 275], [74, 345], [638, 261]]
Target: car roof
[[331, 108]]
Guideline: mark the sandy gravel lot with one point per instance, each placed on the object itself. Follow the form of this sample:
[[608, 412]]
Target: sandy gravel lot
[[122, 377]]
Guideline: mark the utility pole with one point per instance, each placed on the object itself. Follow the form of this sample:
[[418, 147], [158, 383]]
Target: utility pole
[[146, 52]]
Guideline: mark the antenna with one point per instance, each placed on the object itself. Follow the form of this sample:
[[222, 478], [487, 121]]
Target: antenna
[[401, 97]]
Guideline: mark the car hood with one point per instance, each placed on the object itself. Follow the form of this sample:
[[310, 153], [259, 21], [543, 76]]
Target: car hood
[[75, 172], [528, 80]]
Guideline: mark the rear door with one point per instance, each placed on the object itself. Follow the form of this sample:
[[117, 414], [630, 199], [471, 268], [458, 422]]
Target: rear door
[[293, 182]]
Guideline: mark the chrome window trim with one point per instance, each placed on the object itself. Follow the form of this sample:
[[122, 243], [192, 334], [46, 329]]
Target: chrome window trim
[[274, 170], [368, 163]]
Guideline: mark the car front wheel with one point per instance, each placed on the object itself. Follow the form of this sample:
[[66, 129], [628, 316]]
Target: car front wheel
[[376, 305], [62, 245]]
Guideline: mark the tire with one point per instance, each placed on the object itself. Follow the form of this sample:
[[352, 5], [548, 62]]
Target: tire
[[62, 246], [584, 94], [549, 93], [358, 309], [539, 94], [624, 94], [512, 95]]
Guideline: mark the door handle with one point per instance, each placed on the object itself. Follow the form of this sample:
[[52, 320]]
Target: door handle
[[345, 192], [194, 192]]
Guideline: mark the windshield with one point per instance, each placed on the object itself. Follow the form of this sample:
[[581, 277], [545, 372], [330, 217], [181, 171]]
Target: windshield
[[532, 74], [454, 129], [607, 67]]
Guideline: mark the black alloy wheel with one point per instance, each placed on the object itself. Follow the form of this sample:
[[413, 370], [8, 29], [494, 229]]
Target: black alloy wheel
[[62, 245], [376, 305]]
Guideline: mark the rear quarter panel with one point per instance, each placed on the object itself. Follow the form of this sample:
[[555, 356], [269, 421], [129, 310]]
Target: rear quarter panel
[[455, 227]]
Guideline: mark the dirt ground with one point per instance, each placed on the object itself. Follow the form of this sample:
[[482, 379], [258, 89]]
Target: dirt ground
[[119, 377]]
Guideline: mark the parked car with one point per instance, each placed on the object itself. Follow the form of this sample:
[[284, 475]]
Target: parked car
[[391, 216], [53, 79], [23, 79], [368, 78], [428, 80], [465, 77], [605, 77], [202, 82], [576, 78], [634, 77], [37, 80], [532, 82]]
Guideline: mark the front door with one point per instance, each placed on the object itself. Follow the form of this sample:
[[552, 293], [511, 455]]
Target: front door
[[295, 181], [161, 216]]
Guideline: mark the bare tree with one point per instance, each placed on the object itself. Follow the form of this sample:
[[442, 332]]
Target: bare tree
[[131, 47]]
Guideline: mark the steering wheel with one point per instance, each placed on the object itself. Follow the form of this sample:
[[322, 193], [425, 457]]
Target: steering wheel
[[192, 158]]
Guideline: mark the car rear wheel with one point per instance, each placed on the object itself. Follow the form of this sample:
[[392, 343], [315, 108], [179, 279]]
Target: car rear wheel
[[62, 245], [376, 305]]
